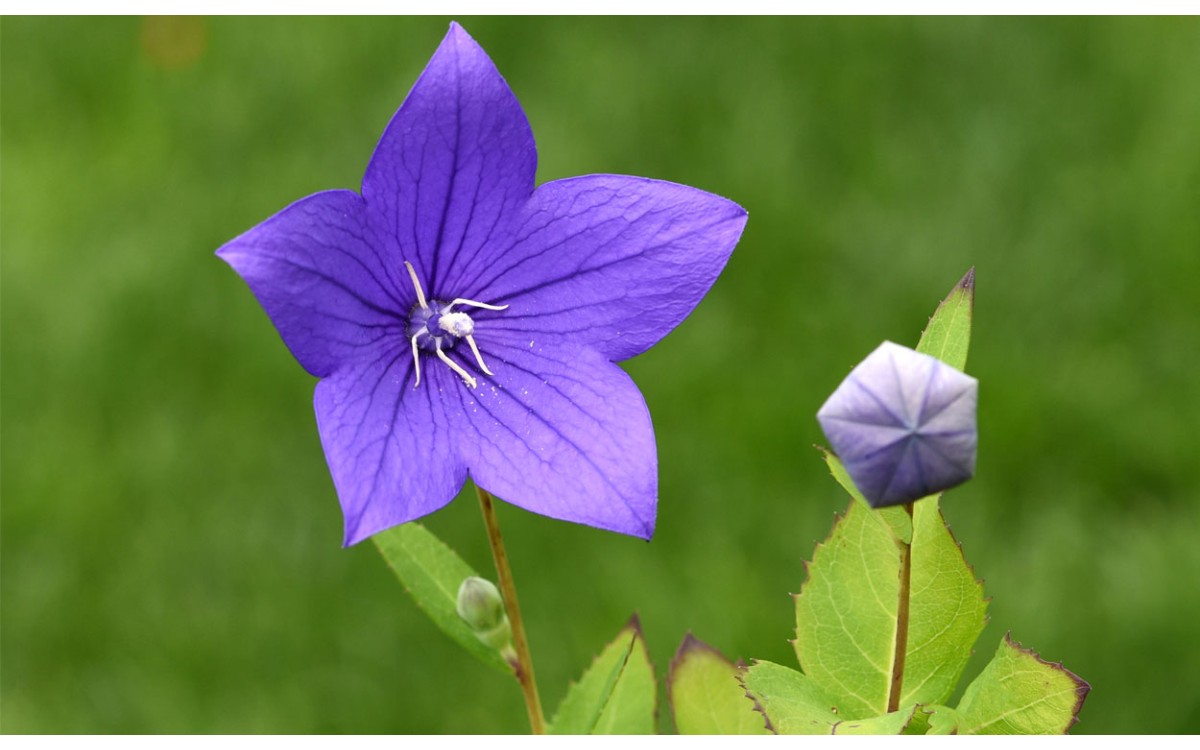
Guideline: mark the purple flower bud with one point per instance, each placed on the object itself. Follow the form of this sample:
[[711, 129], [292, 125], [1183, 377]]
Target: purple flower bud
[[903, 424]]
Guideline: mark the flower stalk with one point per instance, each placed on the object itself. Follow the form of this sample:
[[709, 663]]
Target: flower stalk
[[901, 620], [521, 661]]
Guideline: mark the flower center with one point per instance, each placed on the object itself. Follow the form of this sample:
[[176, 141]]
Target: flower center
[[438, 324], [436, 327]]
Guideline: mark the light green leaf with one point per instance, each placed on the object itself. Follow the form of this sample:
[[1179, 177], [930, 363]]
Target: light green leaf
[[705, 694], [633, 706], [432, 573], [894, 723], [791, 703], [942, 720], [616, 695], [948, 334], [586, 700], [794, 704], [946, 610], [846, 613], [1019, 693]]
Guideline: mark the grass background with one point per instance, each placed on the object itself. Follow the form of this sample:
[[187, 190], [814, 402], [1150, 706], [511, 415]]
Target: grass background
[[170, 534]]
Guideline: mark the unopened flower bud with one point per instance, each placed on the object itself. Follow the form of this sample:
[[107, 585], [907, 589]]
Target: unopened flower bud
[[903, 424], [482, 608]]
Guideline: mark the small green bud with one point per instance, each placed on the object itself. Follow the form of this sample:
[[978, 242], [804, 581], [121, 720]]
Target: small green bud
[[481, 607]]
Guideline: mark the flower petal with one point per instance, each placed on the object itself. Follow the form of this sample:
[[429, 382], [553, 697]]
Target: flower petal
[[560, 431], [388, 444], [614, 262], [318, 274], [455, 163]]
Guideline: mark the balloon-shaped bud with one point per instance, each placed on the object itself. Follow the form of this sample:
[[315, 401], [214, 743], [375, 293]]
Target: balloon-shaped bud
[[482, 608], [903, 424]]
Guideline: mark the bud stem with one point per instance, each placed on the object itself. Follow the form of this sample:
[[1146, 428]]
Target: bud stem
[[521, 661], [901, 621]]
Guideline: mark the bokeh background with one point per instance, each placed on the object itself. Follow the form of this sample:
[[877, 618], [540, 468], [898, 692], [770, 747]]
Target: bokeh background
[[171, 558]]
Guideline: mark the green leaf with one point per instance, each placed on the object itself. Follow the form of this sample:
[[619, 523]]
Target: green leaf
[[794, 704], [586, 700], [894, 723], [1019, 693], [946, 610], [432, 573], [942, 720], [846, 612], [705, 694], [791, 703], [948, 334], [616, 695]]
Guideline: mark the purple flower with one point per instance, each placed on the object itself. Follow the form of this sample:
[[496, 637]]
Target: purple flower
[[903, 424], [463, 322]]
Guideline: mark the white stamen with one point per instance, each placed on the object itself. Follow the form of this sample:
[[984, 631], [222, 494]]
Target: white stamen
[[417, 286], [478, 356], [470, 381], [473, 303], [416, 361]]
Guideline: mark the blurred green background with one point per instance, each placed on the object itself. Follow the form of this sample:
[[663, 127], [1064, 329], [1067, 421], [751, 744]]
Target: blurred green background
[[171, 557]]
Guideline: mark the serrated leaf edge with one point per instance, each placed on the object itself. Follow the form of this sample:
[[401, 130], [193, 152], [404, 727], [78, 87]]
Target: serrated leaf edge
[[987, 617], [1082, 686], [807, 564], [833, 727], [762, 711], [634, 623]]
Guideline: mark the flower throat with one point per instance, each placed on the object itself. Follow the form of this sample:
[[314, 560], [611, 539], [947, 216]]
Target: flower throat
[[436, 326]]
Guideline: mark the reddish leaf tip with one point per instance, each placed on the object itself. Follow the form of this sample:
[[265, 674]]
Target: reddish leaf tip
[[967, 283], [635, 624], [690, 645]]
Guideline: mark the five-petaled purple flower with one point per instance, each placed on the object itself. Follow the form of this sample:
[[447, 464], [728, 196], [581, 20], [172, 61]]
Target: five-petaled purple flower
[[903, 424], [462, 321]]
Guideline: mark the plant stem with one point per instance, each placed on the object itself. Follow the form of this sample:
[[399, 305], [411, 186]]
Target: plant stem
[[901, 621], [521, 662]]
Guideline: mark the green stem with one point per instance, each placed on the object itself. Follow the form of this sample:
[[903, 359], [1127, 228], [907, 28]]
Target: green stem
[[901, 621], [521, 661]]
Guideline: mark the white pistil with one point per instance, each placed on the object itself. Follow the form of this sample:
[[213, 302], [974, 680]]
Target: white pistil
[[456, 324]]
